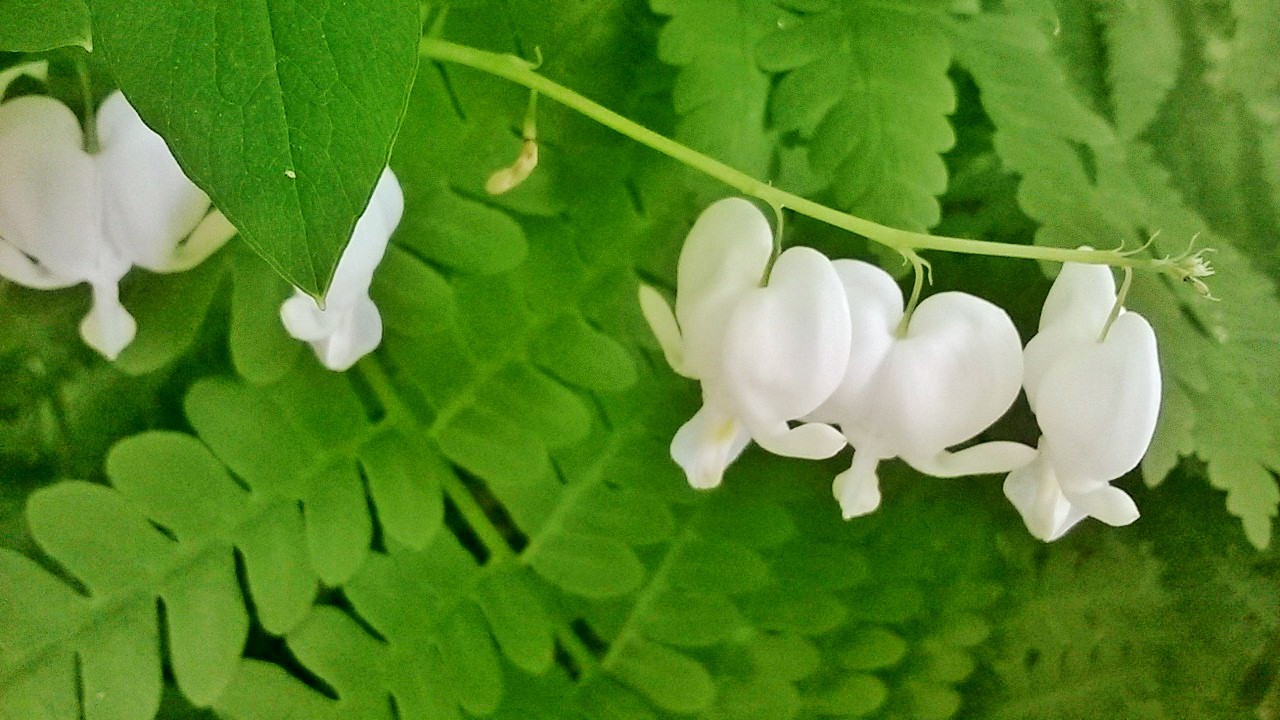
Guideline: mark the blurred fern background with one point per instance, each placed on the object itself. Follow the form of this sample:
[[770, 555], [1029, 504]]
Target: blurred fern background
[[482, 518]]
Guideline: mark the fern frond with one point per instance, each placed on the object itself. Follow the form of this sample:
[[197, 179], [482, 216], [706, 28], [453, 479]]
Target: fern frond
[[143, 550], [865, 86]]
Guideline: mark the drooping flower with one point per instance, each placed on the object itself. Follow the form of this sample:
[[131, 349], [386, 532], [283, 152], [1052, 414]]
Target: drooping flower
[[69, 217], [766, 355], [349, 326], [1096, 399], [953, 371]]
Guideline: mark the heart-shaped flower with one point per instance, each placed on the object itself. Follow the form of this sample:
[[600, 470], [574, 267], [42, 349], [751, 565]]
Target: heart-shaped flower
[[949, 374], [69, 217], [1096, 399], [349, 326], [766, 355]]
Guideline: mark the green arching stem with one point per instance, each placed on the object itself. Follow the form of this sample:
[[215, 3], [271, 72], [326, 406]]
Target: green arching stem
[[521, 72], [1119, 304], [530, 129], [91, 144]]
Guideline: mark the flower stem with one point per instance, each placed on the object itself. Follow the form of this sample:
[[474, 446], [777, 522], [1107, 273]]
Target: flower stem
[[91, 145], [920, 267], [522, 72], [1118, 305]]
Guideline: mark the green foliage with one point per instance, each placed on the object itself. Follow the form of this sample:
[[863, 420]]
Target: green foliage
[[721, 94], [35, 25], [848, 100], [287, 114], [1111, 629], [865, 87], [1144, 50], [482, 519]]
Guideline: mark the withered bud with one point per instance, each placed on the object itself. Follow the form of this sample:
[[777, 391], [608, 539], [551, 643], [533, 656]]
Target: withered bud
[[509, 177]]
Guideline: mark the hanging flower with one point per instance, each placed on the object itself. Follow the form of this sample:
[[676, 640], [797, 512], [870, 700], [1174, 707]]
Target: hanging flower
[[349, 326], [766, 355], [949, 374], [1096, 396], [69, 217]]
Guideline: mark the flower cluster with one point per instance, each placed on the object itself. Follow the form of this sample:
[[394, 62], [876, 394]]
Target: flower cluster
[[69, 216], [809, 355]]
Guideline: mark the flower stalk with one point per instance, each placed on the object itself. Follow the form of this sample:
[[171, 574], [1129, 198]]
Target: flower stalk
[[523, 72]]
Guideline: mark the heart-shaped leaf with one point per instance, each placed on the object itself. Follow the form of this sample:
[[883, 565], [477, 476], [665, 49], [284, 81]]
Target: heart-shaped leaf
[[284, 113]]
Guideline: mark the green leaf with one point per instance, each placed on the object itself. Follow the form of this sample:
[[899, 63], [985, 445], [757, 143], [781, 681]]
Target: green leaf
[[855, 696], [36, 25], [261, 350], [169, 310], [438, 653], [671, 680], [284, 115], [509, 606], [404, 483], [592, 566], [874, 649], [105, 538]]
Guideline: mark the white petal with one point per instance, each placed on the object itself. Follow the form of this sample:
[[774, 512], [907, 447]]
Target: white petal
[[786, 346], [388, 199], [1097, 406], [875, 308], [209, 236], [368, 243], [1109, 504], [358, 333], [706, 445], [662, 321], [149, 205], [984, 459], [1080, 300], [1047, 349], [958, 369], [858, 488], [108, 328], [304, 320], [49, 204], [723, 258], [350, 327], [1034, 491], [811, 441], [16, 266]]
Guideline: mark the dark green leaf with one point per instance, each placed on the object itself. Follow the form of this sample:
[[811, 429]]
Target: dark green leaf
[[283, 113]]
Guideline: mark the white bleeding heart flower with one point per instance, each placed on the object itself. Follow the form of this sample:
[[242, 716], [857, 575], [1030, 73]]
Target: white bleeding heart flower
[[1096, 401], [953, 372], [349, 326], [765, 355], [69, 217]]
